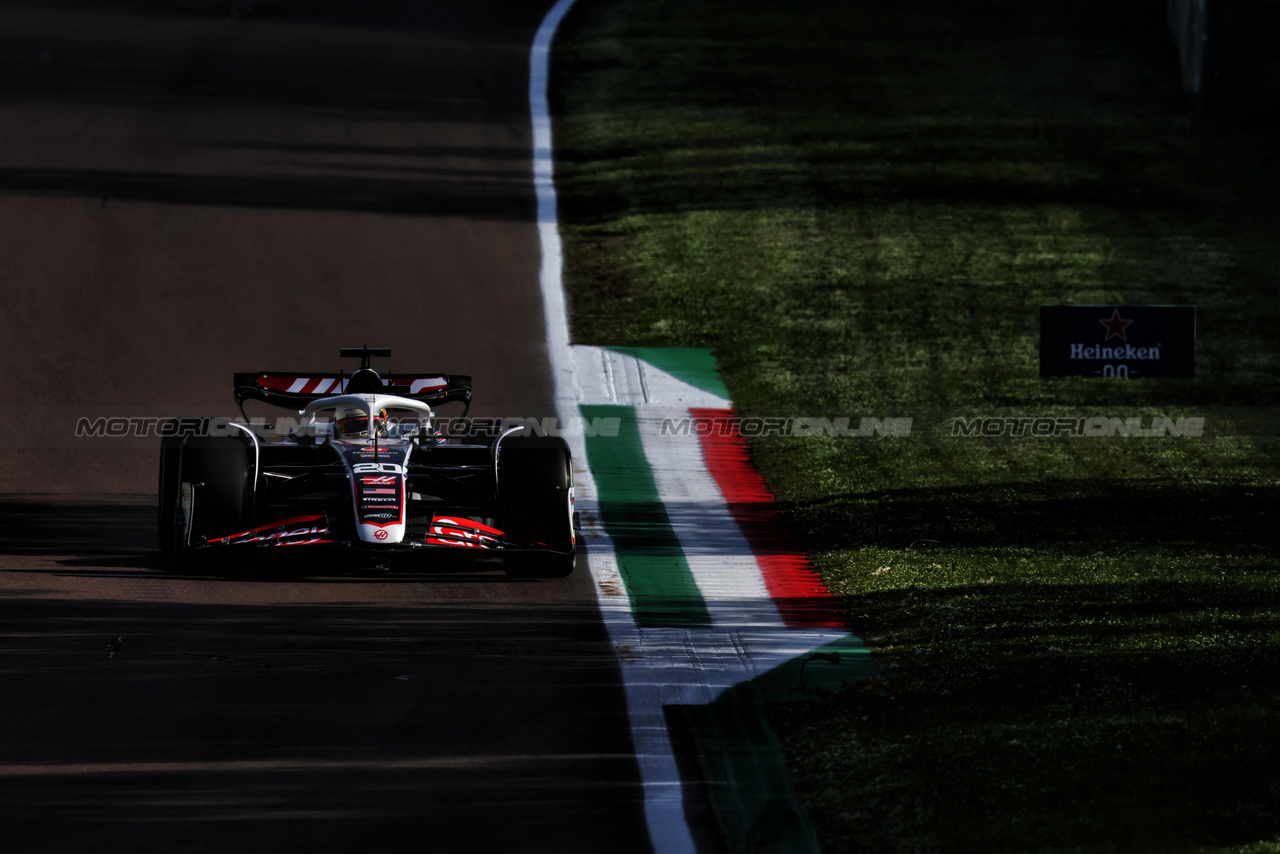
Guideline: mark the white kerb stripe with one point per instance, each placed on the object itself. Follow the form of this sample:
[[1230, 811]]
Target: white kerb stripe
[[664, 800]]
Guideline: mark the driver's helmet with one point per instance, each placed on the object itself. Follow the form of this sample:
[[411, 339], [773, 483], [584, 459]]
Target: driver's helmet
[[354, 423]]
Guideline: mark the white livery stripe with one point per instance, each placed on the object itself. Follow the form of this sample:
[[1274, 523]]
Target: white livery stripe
[[431, 384]]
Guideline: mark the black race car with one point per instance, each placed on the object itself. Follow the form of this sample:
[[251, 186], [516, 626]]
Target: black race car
[[363, 471]]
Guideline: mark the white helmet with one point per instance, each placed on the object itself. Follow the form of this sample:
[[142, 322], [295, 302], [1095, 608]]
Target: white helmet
[[354, 423]]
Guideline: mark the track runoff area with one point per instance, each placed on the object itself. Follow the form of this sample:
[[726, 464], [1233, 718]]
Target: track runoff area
[[711, 604]]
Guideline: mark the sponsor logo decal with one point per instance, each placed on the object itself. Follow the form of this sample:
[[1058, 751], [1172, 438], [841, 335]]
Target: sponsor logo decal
[[455, 531], [380, 534], [1128, 352], [1127, 341], [1115, 326], [283, 532], [378, 480]]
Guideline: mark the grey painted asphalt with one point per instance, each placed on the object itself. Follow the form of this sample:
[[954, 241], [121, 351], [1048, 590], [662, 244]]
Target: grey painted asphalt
[[184, 194]]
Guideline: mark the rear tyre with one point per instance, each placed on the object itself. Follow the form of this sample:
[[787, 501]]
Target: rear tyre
[[535, 484]]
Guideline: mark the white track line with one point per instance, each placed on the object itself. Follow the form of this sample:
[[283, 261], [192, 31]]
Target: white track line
[[664, 797], [553, 302], [659, 666]]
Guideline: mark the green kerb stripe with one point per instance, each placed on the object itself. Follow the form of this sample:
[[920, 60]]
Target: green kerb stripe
[[746, 774], [650, 559], [695, 365]]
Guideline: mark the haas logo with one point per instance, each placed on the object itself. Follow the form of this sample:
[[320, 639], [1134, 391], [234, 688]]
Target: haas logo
[[380, 534]]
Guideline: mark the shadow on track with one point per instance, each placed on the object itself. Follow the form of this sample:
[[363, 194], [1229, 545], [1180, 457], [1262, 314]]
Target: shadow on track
[[110, 540], [491, 197]]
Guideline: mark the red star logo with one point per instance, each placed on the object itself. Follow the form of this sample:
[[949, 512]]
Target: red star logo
[[1116, 326]]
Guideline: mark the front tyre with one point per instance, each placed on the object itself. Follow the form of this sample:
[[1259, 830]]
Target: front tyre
[[535, 486], [168, 505], [219, 472]]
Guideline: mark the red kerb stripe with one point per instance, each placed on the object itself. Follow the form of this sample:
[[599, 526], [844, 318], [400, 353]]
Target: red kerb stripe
[[803, 600]]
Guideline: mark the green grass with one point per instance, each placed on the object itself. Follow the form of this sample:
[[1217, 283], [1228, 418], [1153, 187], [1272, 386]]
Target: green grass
[[862, 207]]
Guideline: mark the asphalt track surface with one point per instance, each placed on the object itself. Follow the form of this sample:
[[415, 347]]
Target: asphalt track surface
[[185, 194]]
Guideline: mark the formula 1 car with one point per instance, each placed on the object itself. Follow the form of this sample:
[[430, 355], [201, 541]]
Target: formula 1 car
[[364, 472]]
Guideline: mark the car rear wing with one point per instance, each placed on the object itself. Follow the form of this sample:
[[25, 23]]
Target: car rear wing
[[296, 390]]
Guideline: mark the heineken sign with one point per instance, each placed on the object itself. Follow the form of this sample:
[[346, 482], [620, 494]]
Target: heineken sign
[[1128, 341]]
